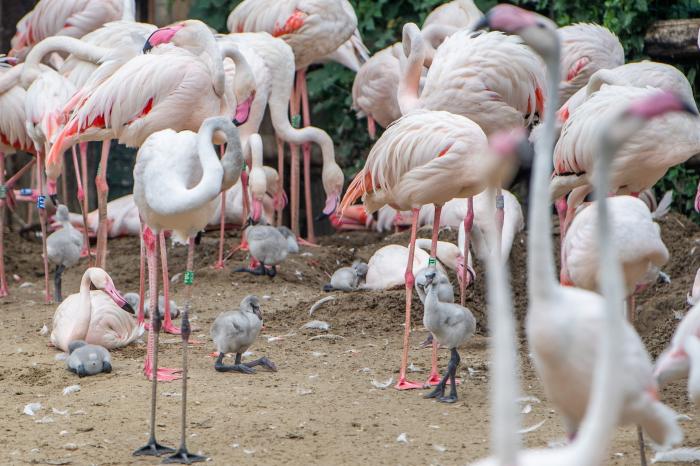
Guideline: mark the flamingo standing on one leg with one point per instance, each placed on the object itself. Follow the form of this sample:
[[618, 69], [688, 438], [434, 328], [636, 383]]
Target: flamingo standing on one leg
[[424, 157], [313, 29], [563, 323], [182, 202]]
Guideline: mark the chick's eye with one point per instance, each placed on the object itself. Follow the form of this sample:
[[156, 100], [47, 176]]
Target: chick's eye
[[541, 25]]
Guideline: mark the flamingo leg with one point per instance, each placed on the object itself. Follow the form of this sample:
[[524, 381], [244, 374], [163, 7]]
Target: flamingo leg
[[81, 198], [150, 367], [142, 275], [280, 173], [168, 326], [83, 146], [246, 197], [468, 224], [44, 229], [311, 237], [182, 455], [434, 377], [222, 224], [294, 170], [152, 447], [64, 186], [102, 193], [3, 193], [500, 218], [30, 207], [404, 384]]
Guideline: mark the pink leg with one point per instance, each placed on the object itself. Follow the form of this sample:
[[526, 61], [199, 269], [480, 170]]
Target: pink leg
[[280, 172], [468, 224], [371, 128], [434, 377], [222, 225], [30, 206], [142, 275], [404, 384], [83, 146], [168, 326], [246, 198], [3, 192], [64, 186], [150, 368], [311, 238], [44, 230], [294, 170], [561, 207], [500, 218], [81, 201], [102, 193]]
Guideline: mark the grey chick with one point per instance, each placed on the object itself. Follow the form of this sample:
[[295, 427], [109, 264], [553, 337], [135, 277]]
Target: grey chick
[[234, 332], [347, 278], [87, 359], [133, 300], [452, 325], [292, 244], [268, 246], [445, 292], [63, 248]]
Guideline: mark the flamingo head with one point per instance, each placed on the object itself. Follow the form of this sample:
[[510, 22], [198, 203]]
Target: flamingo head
[[470, 276], [671, 365], [102, 281], [538, 32], [162, 36], [333, 180], [243, 109], [251, 304], [512, 144]]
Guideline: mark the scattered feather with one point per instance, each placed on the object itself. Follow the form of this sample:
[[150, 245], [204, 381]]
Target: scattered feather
[[382, 385], [527, 409], [248, 354], [26, 285], [266, 297], [317, 354], [61, 356], [679, 455], [528, 399], [532, 428], [402, 438], [304, 391], [472, 372], [327, 336], [683, 417], [320, 302], [413, 368], [280, 337], [175, 278], [45, 420], [317, 325], [663, 207], [71, 389], [32, 408], [59, 412], [439, 448], [44, 331], [664, 278]]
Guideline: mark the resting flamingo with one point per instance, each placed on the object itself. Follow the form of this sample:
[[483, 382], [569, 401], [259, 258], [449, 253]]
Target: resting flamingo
[[13, 138], [448, 18], [100, 317], [313, 28], [424, 157], [73, 18], [585, 49], [563, 323], [637, 239]]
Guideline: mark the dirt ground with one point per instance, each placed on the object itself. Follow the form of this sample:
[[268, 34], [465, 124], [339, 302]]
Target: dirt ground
[[321, 406]]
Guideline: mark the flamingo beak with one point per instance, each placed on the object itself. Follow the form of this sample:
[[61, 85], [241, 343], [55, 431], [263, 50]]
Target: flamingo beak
[[51, 189], [331, 205], [118, 298], [257, 210], [243, 110], [161, 36]]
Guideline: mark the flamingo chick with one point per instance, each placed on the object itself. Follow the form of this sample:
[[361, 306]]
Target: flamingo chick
[[134, 300], [348, 278], [87, 359], [63, 248], [268, 246], [234, 332], [452, 325]]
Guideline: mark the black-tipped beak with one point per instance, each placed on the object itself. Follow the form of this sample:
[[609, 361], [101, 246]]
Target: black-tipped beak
[[127, 307], [690, 108], [147, 46], [249, 223], [54, 199], [321, 216]]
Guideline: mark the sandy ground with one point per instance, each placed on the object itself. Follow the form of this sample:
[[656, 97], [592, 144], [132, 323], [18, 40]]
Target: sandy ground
[[321, 406]]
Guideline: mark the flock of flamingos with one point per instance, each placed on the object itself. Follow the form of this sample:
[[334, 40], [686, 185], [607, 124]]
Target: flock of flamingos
[[462, 109]]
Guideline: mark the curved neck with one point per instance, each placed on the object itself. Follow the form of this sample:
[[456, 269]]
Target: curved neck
[[129, 10], [232, 161], [244, 74], [85, 306], [215, 61], [542, 282], [76, 47], [692, 348], [10, 78], [600, 77], [606, 399], [409, 81]]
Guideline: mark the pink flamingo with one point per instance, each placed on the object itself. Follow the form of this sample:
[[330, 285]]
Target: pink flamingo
[[13, 138], [564, 323], [73, 18], [313, 29], [424, 157], [190, 87], [637, 239], [585, 49], [448, 18]]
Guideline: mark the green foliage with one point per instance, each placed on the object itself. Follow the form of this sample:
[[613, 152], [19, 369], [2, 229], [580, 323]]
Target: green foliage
[[683, 182], [380, 23]]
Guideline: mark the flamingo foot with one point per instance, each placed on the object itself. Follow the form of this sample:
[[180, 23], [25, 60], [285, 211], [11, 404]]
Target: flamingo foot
[[182, 456], [4, 291], [304, 242], [153, 448], [433, 379], [404, 384], [219, 265], [165, 374], [168, 327]]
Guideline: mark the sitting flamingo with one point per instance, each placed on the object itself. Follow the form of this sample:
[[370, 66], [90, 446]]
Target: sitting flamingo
[[99, 317]]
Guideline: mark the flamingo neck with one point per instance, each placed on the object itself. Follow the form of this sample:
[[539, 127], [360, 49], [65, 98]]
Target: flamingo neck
[[70, 45], [542, 282], [411, 70], [231, 163], [244, 74], [85, 307], [692, 348], [10, 78], [257, 181], [129, 10]]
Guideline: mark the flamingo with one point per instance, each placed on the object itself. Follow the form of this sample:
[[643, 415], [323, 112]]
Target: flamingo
[[563, 322], [190, 88], [586, 48], [273, 88], [313, 29], [100, 317], [73, 18], [424, 157], [182, 202], [448, 18], [636, 236], [13, 138]]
